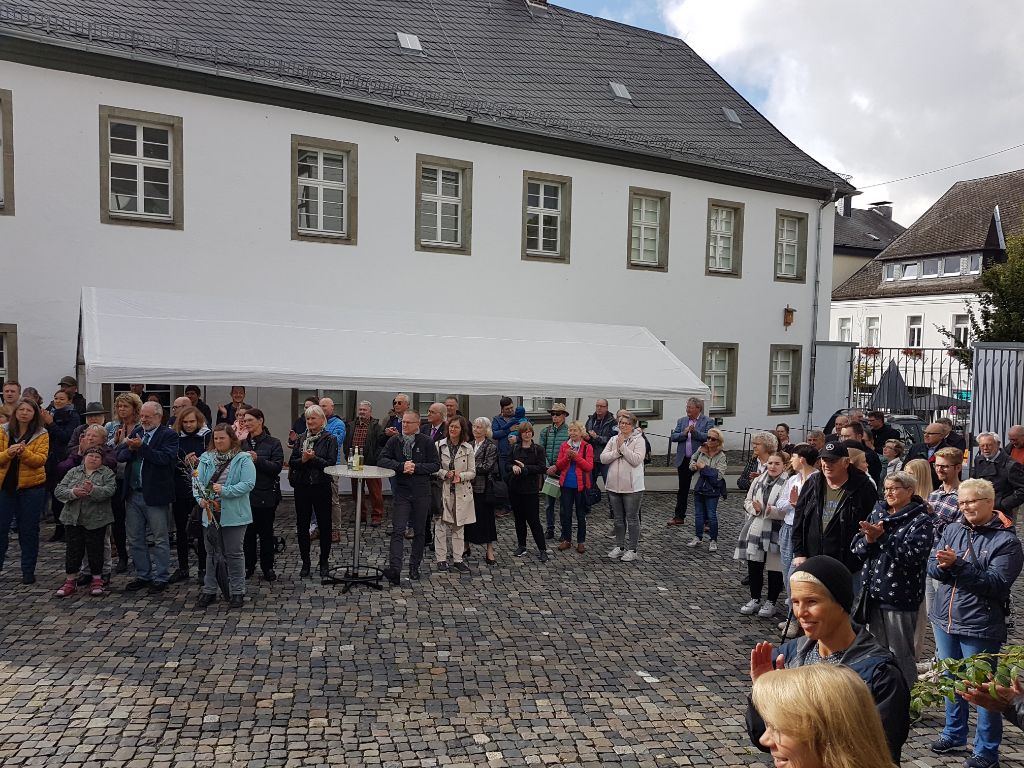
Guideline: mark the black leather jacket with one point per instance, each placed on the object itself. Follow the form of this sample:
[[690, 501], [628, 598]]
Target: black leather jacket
[[312, 472]]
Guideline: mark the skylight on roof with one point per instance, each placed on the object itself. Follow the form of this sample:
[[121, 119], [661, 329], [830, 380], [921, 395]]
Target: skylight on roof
[[619, 91], [409, 43], [731, 116]]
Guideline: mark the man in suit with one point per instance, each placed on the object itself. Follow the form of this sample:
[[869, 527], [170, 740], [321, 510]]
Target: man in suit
[[414, 459], [690, 434], [1007, 476], [436, 429], [953, 438], [151, 456], [934, 439]]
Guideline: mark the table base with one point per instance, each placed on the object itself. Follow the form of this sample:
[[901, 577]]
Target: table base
[[362, 575]]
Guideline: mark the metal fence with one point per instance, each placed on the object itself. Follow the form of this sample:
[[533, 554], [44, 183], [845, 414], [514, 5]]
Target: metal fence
[[998, 387]]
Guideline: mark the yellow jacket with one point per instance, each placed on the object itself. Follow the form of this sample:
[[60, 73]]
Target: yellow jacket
[[32, 464]]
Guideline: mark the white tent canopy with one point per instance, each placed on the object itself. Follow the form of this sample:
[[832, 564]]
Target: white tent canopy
[[168, 338]]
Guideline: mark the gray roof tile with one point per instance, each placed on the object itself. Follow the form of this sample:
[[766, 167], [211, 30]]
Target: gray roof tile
[[856, 230], [490, 59]]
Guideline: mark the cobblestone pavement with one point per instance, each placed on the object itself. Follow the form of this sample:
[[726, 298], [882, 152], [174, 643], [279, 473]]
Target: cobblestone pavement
[[581, 661]]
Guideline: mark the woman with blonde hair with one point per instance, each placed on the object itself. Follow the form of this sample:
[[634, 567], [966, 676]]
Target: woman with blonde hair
[[710, 463], [820, 716], [922, 472], [574, 466]]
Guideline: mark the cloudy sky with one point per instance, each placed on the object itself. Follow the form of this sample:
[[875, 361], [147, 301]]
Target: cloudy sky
[[878, 90]]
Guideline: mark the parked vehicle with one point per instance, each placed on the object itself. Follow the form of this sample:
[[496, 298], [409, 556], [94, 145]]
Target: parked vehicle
[[910, 426]]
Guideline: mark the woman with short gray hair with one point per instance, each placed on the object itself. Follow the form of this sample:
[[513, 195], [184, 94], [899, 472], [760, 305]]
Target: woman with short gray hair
[[762, 445], [894, 544], [314, 451], [624, 456]]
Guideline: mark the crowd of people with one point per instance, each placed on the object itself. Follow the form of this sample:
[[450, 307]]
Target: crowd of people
[[865, 544]]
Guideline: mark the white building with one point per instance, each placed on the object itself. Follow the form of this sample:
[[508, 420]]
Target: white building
[[521, 159], [926, 279]]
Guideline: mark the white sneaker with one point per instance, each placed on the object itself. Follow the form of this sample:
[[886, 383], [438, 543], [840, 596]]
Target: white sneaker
[[713, 546], [616, 553], [628, 556], [694, 542], [767, 609], [750, 608]]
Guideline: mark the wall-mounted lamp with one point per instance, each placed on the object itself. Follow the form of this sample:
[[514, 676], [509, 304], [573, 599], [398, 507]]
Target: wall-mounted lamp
[[788, 316]]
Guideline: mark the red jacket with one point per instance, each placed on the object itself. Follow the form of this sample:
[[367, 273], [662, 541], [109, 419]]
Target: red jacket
[[584, 464]]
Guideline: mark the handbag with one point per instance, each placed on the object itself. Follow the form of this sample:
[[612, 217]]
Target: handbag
[[496, 491], [592, 495], [551, 487]]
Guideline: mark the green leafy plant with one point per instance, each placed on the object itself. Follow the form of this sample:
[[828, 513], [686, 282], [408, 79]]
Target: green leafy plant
[[953, 676]]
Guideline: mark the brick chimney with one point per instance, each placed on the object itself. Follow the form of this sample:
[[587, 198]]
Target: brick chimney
[[848, 206]]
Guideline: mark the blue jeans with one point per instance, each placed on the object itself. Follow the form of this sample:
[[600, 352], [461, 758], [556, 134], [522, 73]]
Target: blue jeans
[[573, 497], [552, 501], [990, 724], [151, 563], [705, 508], [786, 552], [26, 508]]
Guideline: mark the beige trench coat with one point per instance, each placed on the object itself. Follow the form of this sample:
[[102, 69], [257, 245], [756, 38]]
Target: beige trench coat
[[458, 507]]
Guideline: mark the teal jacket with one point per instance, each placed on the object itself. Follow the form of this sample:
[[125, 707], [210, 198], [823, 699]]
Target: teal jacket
[[237, 481]]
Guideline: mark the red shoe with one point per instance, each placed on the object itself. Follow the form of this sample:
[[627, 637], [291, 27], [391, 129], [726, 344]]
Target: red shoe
[[67, 590], [564, 545], [675, 521], [96, 589], [580, 548]]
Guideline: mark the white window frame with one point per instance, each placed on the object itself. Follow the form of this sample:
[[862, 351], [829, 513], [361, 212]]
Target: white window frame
[[536, 410], [915, 331], [718, 372], [911, 270], [320, 184], [439, 199], [962, 330], [141, 163], [784, 379], [925, 275], [844, 329], [721, 237], [641, 229], [892, 272], [946, 261], [786, 241], [971, 267], [544, 217], [873, 331]]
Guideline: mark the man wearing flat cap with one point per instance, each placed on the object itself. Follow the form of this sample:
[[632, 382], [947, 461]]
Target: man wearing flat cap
[[832, 505], [551, 439], [822, 592]]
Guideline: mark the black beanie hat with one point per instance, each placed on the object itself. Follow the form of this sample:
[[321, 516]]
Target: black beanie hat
[[834, 575]]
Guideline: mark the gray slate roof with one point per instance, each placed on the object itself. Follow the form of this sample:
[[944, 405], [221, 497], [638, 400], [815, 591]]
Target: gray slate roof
[[961, 220], [856, 230], [493, 60]]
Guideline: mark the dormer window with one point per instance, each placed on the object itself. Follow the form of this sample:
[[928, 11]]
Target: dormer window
[[911, 271], [892, 272]]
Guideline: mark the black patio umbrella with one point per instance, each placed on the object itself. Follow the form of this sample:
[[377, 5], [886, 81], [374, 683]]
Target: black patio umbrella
[[891, 392], [939, 403]]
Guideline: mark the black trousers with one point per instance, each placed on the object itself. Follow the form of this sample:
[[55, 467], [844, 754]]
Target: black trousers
[[683, 494], [261, 528], [408, 510], [81, 541], [117, 530], [313, 500], [526, 509], [755, 570]]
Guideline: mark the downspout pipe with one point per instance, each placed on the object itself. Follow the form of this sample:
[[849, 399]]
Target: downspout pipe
[[814, 311]]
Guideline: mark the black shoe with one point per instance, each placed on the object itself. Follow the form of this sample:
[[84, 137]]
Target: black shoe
[[83, 580], [461, 567], [201, 576], [179, 575], [28, 578], [157, 587], [550, 535], [520, 551], [304, 573], [392, 576], [443, 567], [106, 579], [543, 555], [122, 565], [269, 575], [237, 601], [136, 584], [205, 601], [414, 574], [746, 581], [467, 552], [249, 572], [325, 571], [58, 535]]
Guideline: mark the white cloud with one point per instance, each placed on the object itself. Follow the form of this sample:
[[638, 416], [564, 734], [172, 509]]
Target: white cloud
[[879, 90]]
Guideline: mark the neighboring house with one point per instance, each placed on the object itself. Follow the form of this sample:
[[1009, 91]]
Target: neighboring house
[[926, 277], [506, 157], [860, 235]]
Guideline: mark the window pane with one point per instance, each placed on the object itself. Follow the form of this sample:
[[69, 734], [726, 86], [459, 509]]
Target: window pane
[[636, 207], [157, 206], [127, 203], [976, 262], [150, 189], [450, 183], [333, 195], [123, 186], [533, 232], [123, 139], [333, 223], [155, 143], [551, 195], [124, 171], [308, 160], [533, 194], [428, 179], [428, 220], [333, 210], [334, 168]]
